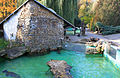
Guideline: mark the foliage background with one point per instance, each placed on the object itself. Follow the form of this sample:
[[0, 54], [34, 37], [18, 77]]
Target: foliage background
[[7, 7], [108, 12]]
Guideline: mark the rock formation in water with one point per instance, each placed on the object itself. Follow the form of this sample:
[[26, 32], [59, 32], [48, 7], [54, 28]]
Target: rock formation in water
[[13, 52], [60, 69], [97, 47], [11, 74]]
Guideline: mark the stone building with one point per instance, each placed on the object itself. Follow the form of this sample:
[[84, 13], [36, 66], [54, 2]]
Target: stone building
[[35, 26]]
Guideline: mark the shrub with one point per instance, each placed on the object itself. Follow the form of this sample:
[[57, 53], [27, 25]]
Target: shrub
[[99, 24], [3, 43], [106, 30]]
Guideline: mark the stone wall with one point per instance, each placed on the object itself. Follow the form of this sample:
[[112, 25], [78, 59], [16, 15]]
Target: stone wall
[[38, 28]]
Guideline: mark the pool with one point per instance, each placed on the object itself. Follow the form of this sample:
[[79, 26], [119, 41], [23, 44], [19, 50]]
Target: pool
[[82, 66]]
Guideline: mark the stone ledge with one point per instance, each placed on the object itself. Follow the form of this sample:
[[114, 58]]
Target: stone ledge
[[13, 52]]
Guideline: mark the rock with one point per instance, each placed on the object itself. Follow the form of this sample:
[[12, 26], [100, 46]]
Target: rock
[[11, 74], [92, 39], [15, 52], [82, 41], [86, 41], [2, 52], [90, 44], [60, 69], [99, 47], [37, 52], [91, 51]]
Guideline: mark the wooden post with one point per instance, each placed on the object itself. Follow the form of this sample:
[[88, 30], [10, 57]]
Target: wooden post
[[75, 31], [64, 31], [80, 31], [83, 28]]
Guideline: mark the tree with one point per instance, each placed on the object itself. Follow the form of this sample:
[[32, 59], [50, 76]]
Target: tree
[[85, 11], [65, 8], [108, 12], [20, 2], [6, 8]]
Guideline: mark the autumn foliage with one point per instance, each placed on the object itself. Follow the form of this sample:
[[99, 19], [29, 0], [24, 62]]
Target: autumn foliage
[[7, 7]]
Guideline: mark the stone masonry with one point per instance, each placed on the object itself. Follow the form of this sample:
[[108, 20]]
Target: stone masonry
[[39, 29]]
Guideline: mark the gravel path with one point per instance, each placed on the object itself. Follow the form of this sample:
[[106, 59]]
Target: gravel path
[[114, 37]]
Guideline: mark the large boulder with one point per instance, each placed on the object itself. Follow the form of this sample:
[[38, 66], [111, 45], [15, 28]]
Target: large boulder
[[60, 69], [98, 47], [91, 50], [13, 52]]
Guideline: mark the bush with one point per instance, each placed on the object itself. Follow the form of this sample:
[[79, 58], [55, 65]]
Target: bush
[[106, 30], [93, 28], [99, 24], [3, 43], [86, 19]]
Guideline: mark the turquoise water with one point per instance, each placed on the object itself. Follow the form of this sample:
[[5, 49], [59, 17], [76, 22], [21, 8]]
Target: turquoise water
[[82, 66]]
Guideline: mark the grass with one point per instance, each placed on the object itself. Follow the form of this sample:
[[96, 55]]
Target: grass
[[3, 44]]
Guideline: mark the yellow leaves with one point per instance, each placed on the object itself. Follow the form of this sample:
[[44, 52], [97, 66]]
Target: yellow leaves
[[91, 23], [7, 6], [82, 6], [87, 0], [0, 1], [0, 15]]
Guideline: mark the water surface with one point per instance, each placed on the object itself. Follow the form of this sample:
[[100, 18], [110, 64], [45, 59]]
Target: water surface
[[82, 66]]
